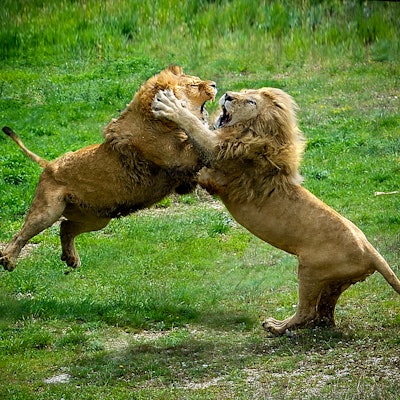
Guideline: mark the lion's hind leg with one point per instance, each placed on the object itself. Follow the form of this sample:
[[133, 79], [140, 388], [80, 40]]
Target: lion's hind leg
[[46, 208], [310, 290], [69, 230], [327, 303]]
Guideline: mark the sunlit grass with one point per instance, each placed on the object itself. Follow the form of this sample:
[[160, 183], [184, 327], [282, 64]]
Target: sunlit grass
[[272, 32]]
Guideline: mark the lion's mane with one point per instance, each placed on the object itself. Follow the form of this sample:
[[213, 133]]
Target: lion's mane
[[265, 153], [136, 124]]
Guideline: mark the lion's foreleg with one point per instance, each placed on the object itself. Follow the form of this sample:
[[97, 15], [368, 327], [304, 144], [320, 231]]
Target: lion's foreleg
[[166, 105]]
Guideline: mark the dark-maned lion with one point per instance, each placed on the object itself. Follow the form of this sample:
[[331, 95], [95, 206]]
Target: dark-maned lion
[[141, 161], [254, 155]]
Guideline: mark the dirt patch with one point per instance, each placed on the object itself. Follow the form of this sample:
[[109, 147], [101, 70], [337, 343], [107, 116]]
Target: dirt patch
[[27, 249], [62, 378]]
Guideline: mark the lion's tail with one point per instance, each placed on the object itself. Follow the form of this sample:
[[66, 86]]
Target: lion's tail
[[41, 161], [383, 267]]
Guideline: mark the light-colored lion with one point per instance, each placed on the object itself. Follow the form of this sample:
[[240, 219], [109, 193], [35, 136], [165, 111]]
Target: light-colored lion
[[254, 155], [141, 161]]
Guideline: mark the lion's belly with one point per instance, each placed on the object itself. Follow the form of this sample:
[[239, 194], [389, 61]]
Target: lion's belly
[[301, 225]]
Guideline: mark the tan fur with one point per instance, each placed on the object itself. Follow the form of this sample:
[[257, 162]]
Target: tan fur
[[141, 161], [254, 157]]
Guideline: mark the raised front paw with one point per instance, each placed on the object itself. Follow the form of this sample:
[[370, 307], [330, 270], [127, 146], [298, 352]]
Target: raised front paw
[[166, 105]]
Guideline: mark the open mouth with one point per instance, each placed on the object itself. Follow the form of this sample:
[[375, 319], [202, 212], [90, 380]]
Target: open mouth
[[224, 118], [203, 109], [204, 114]]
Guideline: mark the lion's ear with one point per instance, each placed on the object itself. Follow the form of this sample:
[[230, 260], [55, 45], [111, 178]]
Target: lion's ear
[[175, 69]]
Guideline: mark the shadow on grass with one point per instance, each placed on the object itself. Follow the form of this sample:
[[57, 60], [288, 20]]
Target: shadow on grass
[[155, 314], [184, 359]]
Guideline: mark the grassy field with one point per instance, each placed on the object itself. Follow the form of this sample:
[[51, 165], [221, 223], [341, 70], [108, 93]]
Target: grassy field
[[168, 302]]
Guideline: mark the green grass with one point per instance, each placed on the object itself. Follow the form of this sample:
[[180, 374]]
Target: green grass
[[168, 303]]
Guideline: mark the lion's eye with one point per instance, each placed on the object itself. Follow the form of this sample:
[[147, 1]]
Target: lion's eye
[[252, 102], [195, 85]]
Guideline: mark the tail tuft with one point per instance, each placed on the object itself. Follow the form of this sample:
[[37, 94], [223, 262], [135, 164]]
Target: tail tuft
[[8, 131]]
